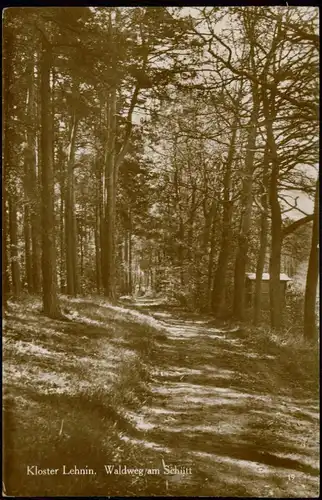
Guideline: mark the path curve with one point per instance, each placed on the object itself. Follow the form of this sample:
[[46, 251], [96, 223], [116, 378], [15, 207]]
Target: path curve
[[210, 411]]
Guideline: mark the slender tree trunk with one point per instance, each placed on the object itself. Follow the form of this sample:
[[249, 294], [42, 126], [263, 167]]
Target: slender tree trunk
[[81, 238], [190, 225], [263, 240], [98, 205], [246, 208], [86, 235], [14, 256], [181, 252], [31, 191], [126, 263], [62, 215], [29, 165], [27, 238], [110, 203], [70, 225], [181, 235], [5, 251], [208, 216], [74, 242], [276, 298], [35, 233], [97, 254], [260, 269], [130, 260], [34, 113], [204, 251], [8, 163], [103, 228], [62, 245], [211, 256], [69, 237], [112, 164], [310, 327], [219, 286], [50, 299]]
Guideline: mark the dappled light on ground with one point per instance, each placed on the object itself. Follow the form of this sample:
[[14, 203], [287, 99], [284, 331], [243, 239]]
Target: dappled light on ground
[[149, 387], [265, 441]]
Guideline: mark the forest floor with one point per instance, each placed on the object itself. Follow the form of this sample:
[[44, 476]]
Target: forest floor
[[148, 387]]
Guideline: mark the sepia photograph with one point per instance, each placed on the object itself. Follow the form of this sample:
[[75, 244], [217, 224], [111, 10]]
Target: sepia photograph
[[160, 251]]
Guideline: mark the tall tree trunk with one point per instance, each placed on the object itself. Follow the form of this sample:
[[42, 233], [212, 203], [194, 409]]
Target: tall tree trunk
[[98, 267], [35, 232], [276, 249], [110, 201], [50, 299], [74, 242], [211, 256], [98, 205], [102, 227], [81, 248], [269, 111], [208, 217], [8, 78], [275, 293], [190, 225], [219, 285], [5, 251], [130, 261], [126, 263], [112, 164], [246, 209], [86, 236], [310, 328], [205, 249], [29, 166], [263, 238], [14, 256], [27, 238], [181, 231], [70, 226], [35, 180], [62, 217]]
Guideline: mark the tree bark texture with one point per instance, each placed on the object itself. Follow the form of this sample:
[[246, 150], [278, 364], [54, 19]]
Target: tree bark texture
[[50, 299], [310, 324]]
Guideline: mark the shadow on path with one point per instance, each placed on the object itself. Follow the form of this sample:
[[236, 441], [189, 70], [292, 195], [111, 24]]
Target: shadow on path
[[220, 405]]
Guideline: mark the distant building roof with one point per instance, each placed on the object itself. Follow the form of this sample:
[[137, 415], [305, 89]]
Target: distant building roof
[[265, 277]]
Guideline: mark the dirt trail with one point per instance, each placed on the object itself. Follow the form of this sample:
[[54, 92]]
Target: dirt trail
[[211, 410], [140, 386]]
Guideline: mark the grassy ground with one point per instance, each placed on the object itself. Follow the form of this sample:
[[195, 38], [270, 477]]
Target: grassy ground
[[111, 386], [67, 388]]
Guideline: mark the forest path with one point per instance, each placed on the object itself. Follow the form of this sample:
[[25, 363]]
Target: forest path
[[221, 406]]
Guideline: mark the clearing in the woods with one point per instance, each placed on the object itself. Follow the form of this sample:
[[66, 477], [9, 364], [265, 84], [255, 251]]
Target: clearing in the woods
[[150, 388]]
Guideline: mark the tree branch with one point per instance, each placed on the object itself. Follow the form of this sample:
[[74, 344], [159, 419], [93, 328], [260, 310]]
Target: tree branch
[[295, 225], [298, 103]]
